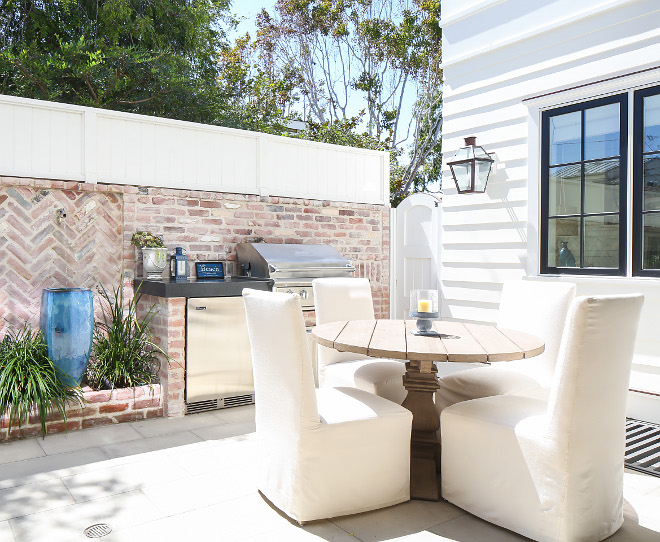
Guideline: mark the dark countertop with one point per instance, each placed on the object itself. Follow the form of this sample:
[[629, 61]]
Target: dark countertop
[[228, 287]]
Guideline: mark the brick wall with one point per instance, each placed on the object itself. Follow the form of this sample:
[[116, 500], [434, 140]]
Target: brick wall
[[91, 246], [209, 224], [100, 408], [168, 330], [40, 249]]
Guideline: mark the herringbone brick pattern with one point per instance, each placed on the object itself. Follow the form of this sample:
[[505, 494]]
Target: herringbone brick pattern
[[42, 248]]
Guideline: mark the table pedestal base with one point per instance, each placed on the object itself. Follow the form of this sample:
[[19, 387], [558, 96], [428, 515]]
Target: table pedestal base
[[421, 382]]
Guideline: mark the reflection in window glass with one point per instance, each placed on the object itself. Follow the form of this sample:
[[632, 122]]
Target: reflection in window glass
[[565, 191], [652, 123], [601, 132], [651, 241], [565, 138], [601, 186], [601, 241], [564, 242], [651, 182]]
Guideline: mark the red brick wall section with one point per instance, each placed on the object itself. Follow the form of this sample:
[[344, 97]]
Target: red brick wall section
[[40, 249], [168, 332], [206, 224], [100, 408], [209, 224]]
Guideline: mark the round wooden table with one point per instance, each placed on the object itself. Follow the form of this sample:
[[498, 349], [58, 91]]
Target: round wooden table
[[458, 342]]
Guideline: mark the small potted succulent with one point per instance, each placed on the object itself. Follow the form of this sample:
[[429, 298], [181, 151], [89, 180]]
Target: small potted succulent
[[154, 253]]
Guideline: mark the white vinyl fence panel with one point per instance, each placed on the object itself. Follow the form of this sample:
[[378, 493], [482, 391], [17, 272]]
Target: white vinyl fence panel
[[66, 142], [47, 142], [150, 152]]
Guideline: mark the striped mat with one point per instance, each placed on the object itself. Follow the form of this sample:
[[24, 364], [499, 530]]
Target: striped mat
[[642, 447]]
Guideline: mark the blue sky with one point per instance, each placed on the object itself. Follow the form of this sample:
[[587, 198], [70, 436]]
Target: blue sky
[[249, 10]]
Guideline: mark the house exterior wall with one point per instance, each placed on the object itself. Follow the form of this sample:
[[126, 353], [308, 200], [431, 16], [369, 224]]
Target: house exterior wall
[[505, 61]]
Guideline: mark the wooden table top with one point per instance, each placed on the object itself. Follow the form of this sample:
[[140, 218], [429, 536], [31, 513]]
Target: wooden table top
[[459, 342]]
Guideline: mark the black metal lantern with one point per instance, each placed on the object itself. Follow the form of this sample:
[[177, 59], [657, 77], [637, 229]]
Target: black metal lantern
[[470, 167]]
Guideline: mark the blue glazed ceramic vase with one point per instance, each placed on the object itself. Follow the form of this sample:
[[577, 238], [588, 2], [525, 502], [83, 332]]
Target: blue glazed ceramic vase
[[67, 322]]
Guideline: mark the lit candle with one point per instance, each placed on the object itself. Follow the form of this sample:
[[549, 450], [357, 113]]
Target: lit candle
[[424, 305]]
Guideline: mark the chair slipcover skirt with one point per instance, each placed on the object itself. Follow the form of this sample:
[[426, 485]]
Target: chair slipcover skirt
[[551, 470], [326, 452]]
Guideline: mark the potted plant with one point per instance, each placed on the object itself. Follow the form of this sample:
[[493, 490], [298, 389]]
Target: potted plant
[[123, 353], [154, 253], [29, 381]]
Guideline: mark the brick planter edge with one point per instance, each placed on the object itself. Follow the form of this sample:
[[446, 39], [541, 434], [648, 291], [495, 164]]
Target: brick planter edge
[[102, 407]]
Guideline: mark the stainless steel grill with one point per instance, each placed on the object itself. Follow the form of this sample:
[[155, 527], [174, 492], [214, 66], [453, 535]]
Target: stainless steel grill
[[292, 266]]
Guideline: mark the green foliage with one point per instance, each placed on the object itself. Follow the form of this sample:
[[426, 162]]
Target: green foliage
[[123, 354], [140, 56], [146, 239], [256, 99], [376, 51], [29, 381], [342, 132]]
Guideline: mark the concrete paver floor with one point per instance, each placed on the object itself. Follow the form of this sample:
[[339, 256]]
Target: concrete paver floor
[[193, 479]]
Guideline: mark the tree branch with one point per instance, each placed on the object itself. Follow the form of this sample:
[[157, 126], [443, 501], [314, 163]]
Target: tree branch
[[89, 85], [30, 76]]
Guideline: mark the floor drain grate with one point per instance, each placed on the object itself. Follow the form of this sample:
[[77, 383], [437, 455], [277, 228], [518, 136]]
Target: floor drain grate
[[98, 531], [643, 447]]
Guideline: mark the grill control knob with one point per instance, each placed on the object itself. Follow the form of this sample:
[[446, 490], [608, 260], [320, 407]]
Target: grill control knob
[[303, 294]]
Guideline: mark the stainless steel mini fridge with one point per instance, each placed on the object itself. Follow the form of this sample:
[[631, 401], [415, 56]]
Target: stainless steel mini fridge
[[218, 360]]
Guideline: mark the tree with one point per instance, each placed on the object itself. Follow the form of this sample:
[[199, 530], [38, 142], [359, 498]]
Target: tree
[[373, 51], [255, 99], [155, 58]]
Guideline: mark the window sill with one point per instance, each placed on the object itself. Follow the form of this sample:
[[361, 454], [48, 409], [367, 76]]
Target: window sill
[[600, 279]]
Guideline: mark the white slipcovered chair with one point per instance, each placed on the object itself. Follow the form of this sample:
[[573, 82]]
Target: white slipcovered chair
[[538, 308], [326, 452], [551, 470], [350, 299]]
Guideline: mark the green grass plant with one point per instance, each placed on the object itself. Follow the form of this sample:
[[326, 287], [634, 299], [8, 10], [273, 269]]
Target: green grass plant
[[123, 354], [29, 380]]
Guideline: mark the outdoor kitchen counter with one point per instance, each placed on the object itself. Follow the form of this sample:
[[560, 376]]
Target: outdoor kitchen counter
[[201, 326], [228, 287]]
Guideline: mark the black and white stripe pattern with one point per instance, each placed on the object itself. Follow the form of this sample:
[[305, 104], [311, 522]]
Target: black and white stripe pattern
[[643, 447]]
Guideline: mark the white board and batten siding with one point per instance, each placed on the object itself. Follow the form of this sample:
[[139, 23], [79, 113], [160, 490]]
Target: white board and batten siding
[[65, 142], [505, 61]]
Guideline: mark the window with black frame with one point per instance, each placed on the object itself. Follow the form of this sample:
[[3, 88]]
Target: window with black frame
[[646, 223], [583, 188]]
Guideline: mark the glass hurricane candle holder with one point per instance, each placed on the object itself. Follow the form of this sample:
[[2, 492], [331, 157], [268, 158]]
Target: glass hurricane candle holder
[[424, 308]]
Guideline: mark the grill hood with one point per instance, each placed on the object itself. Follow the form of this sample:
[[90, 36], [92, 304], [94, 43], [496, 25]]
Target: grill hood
[[291, 261]]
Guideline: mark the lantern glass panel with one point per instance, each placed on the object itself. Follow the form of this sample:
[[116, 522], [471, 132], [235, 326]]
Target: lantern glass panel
[[479, 152], [481, 175], [463, 176], [464, 153]]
